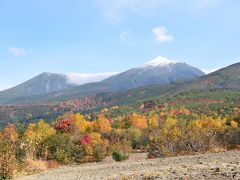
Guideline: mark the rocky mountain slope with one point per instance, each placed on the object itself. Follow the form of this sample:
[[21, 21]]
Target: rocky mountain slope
[[41, 84], [157, 71]]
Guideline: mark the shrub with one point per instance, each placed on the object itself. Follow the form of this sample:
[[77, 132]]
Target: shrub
[[65, 125], [133, 135], [79, 153], [230, 138], [62, 156], [124, 146], [99, 152], [20, 154], [8, 161], [86, 139], [119, 155], [60, 148], [35, 137]]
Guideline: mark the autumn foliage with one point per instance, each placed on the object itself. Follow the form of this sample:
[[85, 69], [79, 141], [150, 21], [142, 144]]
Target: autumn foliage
[[77, 138]]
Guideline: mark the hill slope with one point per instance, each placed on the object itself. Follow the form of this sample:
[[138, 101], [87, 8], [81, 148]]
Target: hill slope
[[224, 79]]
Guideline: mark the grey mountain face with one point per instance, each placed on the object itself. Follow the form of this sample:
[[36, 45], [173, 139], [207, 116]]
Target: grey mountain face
[[41, 84], [153, 74]]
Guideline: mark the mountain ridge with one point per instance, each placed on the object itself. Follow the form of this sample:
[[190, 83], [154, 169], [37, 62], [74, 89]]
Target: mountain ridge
[[220, 86], [159, 71]]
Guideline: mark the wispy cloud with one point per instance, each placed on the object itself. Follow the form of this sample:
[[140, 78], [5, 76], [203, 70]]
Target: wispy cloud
[[17, 51], [206, 3], [210, 70], [83, 78], [161, 34], [125, 37], [116, 10]]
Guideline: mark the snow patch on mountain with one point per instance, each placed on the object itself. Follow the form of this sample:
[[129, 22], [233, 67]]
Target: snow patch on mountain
[[160, 61]]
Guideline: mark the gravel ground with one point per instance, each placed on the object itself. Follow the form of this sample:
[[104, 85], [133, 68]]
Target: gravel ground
[[225, 165]]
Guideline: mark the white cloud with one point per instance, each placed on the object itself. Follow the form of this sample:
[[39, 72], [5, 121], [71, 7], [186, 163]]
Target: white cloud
[[208, 70], [161, 34], [17, 51], [83, 78], [125, 37]]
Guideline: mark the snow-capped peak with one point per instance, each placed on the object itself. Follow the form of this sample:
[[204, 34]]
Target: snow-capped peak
[[160, 61]]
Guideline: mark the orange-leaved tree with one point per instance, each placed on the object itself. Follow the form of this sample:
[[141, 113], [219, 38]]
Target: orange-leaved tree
[[102, 124], [138, 121], [10, 133]]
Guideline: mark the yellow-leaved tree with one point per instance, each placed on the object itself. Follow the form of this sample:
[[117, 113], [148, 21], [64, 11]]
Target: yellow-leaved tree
[[36, 134], [153, 121], [102, 124], [82, 125]]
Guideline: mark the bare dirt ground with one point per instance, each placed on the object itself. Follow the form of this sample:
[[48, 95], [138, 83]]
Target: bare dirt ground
[[225, 165]]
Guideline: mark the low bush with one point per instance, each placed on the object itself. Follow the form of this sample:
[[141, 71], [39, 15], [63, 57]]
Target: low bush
[[99, 152], [79, 153], [62, 156], [60, 148], [120, 156]]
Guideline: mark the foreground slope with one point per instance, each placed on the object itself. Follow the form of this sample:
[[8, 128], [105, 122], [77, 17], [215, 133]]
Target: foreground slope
[[223, 165]]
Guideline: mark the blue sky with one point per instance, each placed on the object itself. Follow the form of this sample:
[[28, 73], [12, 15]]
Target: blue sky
[[114, 35]]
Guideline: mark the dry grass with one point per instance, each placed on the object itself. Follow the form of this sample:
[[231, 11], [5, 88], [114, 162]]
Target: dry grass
[[33, 166], [52, 164]]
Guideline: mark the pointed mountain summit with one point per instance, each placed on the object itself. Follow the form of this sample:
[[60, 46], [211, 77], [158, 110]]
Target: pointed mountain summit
[[158, 71], [160, 61]]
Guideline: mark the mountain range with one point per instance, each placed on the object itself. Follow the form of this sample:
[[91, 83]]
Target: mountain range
[[215, 92], [52, 87]]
